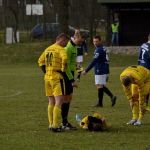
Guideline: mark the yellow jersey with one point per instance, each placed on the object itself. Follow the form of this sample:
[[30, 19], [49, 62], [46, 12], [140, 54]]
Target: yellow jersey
[[85, 121], [140, 77], [55, 59]]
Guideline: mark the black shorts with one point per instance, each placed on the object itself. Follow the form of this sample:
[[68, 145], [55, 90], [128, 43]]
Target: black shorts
[[68, 85]]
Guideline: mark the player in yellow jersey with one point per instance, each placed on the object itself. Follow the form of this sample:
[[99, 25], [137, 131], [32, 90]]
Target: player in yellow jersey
[[135, 93], [95, 122], [53, 62], [136, 78]]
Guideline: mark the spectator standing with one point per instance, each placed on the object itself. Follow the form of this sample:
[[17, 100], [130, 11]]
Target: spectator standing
[[115, 33]]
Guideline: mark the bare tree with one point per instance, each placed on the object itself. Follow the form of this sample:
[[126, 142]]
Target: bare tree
[[15, 14], [92, 18], [63, 15], [12, 12], [77, 13]]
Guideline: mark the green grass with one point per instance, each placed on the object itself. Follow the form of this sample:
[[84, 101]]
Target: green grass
[[23, 117], [21, 52]]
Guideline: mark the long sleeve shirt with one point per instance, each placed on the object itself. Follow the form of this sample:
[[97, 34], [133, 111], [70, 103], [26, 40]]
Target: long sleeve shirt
[[100, 61], [144, 55], [140, 76], [82, 48], [71, 51]]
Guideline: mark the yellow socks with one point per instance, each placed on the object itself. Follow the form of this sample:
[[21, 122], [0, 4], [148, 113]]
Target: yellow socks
[[135, 111], [56, 116], [50, 114]]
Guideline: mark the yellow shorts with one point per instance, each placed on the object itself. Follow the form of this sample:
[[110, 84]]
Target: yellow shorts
[[55, 87], [146, 89], [135, 89]]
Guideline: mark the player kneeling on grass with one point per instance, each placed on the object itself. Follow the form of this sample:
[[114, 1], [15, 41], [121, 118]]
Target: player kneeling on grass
[[93, 123]]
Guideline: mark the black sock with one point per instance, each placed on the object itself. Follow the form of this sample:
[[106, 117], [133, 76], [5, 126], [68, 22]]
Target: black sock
[[147, 99], [108, 92], [79, 74], [64, 112], [100, 96]]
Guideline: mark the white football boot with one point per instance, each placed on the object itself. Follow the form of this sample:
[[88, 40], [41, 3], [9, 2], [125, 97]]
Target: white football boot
[[137, 123], [131, 122]]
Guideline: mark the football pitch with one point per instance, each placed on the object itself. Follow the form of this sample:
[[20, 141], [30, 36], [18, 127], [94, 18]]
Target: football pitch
[[23, 112]]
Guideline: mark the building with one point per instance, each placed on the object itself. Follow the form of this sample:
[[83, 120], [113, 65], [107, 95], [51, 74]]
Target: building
[[133, 16], [1, 2]]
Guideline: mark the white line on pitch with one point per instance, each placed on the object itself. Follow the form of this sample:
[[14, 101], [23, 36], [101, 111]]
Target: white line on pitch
[[12, 95]]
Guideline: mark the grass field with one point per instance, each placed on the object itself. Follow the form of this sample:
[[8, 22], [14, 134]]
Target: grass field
[[23, 108]]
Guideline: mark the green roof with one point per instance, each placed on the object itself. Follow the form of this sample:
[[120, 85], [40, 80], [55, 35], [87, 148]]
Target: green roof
[[123, 1]]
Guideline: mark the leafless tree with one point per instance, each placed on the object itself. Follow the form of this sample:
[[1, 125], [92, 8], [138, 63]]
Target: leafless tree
[[77, 13], [11, 8], [62, 9]]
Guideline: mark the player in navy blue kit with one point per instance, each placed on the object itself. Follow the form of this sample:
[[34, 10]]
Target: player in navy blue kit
[[101, 63], [80, 52], [144, 54], [144, 58]]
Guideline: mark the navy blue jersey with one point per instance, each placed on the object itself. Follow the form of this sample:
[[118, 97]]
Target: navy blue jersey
[[144, 55], [100, 61], [81, 48]]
